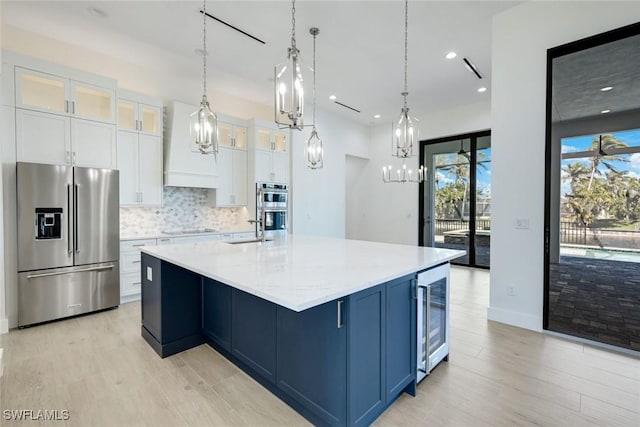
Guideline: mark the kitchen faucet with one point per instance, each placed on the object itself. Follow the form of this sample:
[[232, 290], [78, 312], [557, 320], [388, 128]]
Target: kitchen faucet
[[262, 219]]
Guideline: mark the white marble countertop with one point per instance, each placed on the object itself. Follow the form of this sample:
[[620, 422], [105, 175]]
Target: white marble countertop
[[300, 272]]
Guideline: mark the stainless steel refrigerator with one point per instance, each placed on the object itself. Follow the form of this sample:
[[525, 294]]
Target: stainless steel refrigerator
[[68, 241]]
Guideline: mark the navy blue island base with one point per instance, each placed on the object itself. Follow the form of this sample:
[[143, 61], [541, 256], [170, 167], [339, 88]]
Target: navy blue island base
[[340, 363]]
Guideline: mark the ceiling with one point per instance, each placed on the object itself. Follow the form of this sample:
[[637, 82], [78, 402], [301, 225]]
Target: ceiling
[[579, 77], [359, 48]]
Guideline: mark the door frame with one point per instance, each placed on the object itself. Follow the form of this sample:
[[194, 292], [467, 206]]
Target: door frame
[[556, 52], [473, 137]]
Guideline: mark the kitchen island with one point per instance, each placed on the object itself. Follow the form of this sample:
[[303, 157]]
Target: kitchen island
[[326, 324]]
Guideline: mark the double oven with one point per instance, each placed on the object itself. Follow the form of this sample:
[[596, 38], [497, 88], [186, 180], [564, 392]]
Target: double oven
[[272, 207]]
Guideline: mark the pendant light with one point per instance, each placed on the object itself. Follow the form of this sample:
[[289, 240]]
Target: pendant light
[[314, 152], [405, 131], [204, 123], [288, 87]]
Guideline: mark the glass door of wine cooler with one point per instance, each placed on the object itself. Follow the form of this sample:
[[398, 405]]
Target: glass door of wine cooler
[[433, 318]]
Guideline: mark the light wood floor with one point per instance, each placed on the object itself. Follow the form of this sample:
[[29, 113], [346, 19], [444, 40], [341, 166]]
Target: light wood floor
[[99, 368]]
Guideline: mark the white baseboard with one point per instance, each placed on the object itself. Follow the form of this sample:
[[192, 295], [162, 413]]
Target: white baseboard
[[4, 326], [1, 365], [526, 321], [129, 298]]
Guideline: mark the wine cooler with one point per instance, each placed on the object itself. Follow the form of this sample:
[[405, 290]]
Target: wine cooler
[[433, 319]]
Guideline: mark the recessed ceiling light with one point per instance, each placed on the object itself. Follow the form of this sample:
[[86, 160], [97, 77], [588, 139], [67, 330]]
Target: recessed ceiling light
[[451, 55], [332, 97], [376, 116], [99, 13], [482, 89], [605, 111], [606, 88]]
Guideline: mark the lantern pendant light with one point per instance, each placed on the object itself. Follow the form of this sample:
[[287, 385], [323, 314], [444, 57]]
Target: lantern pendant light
[[314, 152], [405, 131], [203, 122], [289, 80], [405, 135]]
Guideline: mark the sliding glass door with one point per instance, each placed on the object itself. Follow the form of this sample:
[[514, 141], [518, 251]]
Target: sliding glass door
[[455, 199]]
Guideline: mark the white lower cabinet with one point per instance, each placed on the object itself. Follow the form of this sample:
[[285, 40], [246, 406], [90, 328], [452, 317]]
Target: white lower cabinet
[[130, 268]]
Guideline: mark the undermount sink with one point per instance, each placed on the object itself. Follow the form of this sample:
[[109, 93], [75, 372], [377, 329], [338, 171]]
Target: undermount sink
[[237, 242]]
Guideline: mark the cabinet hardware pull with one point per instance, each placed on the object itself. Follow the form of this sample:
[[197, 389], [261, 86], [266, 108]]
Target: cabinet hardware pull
[[141, 197], [340, 324], [136, 262], [73, 107], [68, 157], [136, 283], [74, 157], [66, 106], [141, 244]]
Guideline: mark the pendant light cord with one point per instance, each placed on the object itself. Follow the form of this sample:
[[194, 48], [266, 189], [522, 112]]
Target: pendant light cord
[[293, 23], [314, 81], [406, 32], [204, 45]]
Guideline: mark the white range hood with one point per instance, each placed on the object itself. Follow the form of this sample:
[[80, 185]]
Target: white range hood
[[184, 165]]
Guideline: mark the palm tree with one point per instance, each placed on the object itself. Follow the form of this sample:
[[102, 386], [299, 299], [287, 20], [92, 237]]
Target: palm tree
[[601, 145]]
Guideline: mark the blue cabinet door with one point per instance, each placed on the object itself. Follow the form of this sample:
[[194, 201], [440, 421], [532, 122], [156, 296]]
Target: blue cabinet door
[[400, 336], [216, 312], [366, 355], [312, 360], [253, 335]]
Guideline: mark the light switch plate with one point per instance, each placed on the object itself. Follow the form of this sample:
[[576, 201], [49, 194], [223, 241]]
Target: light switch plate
[[149, 274]]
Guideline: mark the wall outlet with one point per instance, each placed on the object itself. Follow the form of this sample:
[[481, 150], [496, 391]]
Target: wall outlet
[[522, 223], [149, 274], [511, 290]]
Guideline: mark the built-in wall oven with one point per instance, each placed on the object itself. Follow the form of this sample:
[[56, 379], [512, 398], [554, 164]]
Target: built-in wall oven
[[272, 207], [433, 319]]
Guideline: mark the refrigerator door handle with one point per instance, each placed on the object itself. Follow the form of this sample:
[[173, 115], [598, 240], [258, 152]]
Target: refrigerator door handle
[[75, 217], [80, 270], [69, 226]]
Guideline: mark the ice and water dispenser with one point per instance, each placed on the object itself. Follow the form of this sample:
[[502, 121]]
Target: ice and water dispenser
[[48, 223]]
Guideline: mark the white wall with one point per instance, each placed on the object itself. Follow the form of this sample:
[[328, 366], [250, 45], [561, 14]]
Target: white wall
[[521, 37], [318, 195], [390, 211]]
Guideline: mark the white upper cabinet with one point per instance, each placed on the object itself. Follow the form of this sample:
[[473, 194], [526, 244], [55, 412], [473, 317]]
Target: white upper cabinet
[[269, 156], [94, 144], [139, 113], [36, 90], [64, 116], [43, 137], [231, 135], [232, 162], [140, 150]]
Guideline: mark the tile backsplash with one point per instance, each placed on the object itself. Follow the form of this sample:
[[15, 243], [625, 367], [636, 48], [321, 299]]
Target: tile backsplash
[[183, 209]]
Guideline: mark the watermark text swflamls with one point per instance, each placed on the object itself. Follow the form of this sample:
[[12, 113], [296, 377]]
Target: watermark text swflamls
[[36, 415]]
